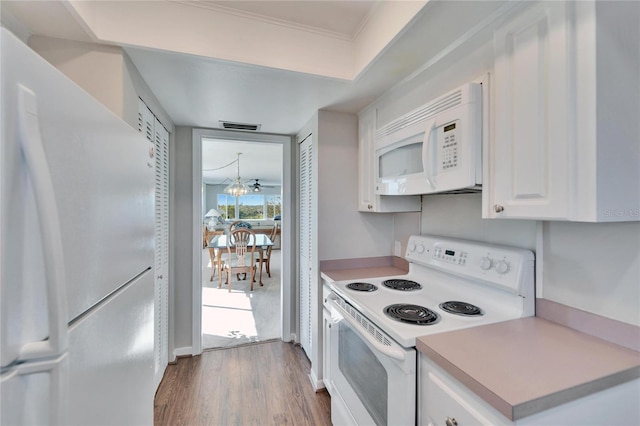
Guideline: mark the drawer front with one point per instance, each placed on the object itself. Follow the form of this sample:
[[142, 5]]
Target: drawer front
[[445, 402]]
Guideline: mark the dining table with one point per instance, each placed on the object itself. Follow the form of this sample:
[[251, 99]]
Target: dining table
[[219, 243]]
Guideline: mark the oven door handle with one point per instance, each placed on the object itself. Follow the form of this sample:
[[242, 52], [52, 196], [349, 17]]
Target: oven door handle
[[390, 351]]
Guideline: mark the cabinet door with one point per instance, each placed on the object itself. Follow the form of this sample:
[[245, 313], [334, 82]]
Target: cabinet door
[[366, 178], [326, 350], [529, 163]]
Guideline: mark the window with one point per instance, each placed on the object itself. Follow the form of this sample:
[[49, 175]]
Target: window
[[227, 206], [250, 206], [274, 206]]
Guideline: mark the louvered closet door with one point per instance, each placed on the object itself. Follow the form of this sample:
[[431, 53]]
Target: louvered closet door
[[158, 135], [161, 250], [146, 121], [306, 252]]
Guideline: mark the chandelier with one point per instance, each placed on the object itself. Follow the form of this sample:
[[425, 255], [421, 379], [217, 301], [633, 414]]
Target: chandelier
[[237, 187]]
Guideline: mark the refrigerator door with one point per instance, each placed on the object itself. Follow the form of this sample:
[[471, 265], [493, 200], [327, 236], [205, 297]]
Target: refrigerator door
[[32, 276], [111, 359], [101, 172], [33, 393]]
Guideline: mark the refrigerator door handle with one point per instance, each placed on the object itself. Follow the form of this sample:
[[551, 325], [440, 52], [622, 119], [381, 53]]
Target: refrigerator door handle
[[22, 392], [49, 223]]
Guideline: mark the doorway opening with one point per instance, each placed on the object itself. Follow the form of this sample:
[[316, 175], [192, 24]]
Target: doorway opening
[[223, 318]]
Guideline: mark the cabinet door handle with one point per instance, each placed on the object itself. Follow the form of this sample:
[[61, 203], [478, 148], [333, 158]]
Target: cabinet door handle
[[369, 206], [498, 208]]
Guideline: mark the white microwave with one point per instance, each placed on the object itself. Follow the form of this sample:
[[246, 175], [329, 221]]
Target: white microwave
[[435, 148]]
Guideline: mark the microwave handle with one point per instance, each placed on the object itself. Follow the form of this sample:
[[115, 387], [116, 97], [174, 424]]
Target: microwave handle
[[429, 155]]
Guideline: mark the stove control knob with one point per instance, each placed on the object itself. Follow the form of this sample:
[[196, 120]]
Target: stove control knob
[[486, 263], [411, 247], [420, 249], [502, 267]]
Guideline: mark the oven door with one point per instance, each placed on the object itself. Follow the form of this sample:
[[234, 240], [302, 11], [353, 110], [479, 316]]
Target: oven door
[[373, 381]]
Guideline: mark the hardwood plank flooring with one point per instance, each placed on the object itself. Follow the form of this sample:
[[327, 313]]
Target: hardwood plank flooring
[[259, 384]]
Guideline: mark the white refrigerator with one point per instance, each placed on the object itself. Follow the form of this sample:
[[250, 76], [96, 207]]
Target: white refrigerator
[[76, 249]]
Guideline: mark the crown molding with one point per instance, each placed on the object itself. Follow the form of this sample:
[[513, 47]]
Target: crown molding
[[203, 4]]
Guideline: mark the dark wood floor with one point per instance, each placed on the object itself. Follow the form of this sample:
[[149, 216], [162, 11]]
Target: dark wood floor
[[259, 384]]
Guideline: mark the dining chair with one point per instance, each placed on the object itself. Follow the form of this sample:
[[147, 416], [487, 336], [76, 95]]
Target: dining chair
[[215, 266], [265, 255], [240, 224], [240, 249]]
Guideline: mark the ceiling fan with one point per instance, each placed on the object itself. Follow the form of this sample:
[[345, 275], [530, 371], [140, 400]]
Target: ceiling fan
[[256, 186]]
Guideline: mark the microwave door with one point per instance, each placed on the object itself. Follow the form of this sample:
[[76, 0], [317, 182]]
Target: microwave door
[[430, 154]]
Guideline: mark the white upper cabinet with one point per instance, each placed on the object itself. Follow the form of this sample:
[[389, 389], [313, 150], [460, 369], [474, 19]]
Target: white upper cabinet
[[368, 201], [565, 135]]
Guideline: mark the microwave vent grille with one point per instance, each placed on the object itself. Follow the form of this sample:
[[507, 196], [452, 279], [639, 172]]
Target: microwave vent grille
[[429, 110]]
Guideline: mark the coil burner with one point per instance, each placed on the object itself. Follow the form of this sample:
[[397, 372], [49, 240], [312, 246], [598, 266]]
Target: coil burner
[[411, 314], [461, 308], [362, 286], [399, 284]]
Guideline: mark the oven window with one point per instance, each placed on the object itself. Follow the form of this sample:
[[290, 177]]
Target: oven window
[[366, 375], [405, 160]]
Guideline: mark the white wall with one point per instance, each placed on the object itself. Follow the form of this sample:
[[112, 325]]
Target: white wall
[[343, 232], [105, 72], [98, 69], [460, 216], [594, 267], [182, 244]]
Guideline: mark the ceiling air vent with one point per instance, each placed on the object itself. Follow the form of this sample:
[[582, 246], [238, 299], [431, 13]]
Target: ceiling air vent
[[239, 126]]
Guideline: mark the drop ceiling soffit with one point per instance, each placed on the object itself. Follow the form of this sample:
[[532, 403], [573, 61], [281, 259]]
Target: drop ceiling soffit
[[209, 30]]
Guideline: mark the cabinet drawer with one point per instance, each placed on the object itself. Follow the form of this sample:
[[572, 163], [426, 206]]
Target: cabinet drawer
[[445, 401], [446, 407]]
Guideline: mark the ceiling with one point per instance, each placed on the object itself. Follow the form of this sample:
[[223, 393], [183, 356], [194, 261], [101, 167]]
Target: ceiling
[[199, 87], [258, 160], [344, 18], [273, 63]]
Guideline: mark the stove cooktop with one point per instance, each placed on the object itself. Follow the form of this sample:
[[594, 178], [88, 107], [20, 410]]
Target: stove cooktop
[[372, 304], [459, 282]]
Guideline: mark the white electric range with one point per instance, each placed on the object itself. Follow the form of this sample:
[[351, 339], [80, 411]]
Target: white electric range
[[451, 284]]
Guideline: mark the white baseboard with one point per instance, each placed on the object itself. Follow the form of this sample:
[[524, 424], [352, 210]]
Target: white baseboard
[[318, 385], [185, 351]]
